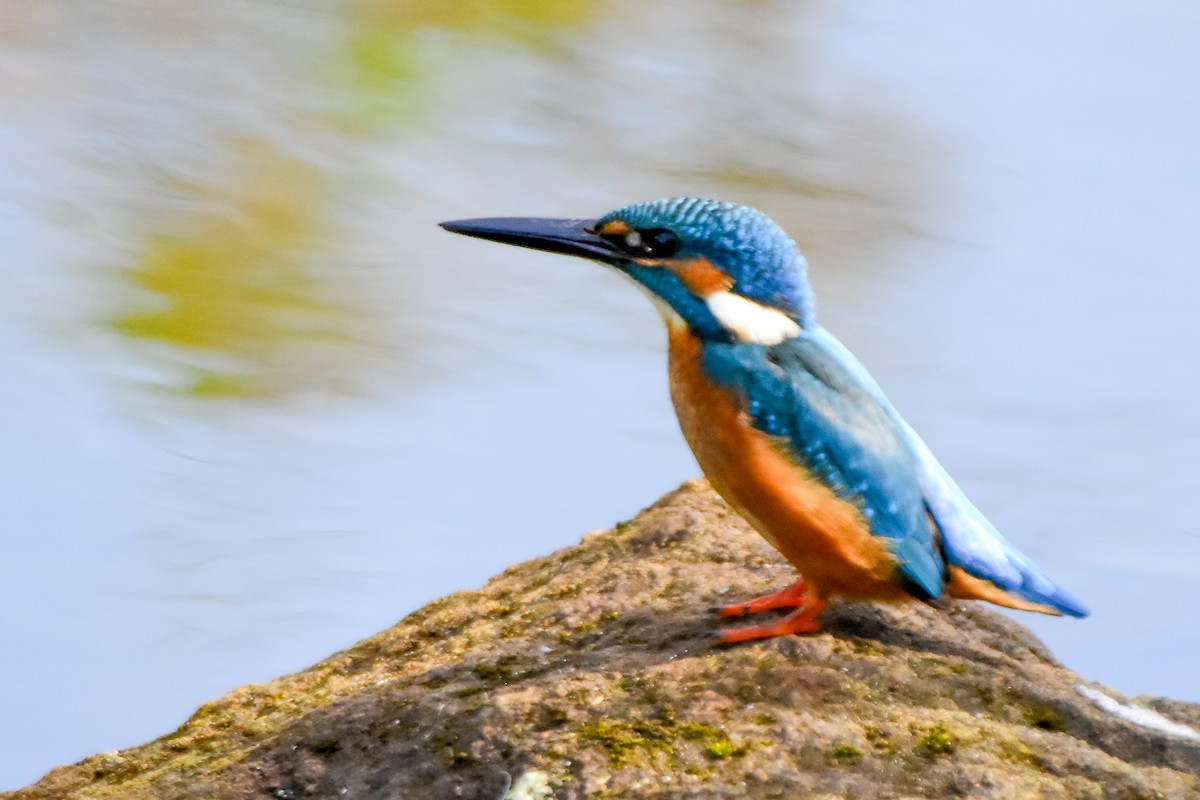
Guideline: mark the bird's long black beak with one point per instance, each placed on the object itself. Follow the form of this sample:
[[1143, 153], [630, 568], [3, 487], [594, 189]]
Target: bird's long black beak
[[573, 237]]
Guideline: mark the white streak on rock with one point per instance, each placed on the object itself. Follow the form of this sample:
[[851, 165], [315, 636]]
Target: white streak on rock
[[1137, 714]]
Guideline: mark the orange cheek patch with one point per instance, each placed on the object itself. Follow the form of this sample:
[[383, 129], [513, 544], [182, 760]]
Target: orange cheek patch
[[701, 277], [614, 227]]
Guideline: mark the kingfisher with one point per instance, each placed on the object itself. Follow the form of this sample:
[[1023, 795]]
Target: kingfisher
[[787, 425]]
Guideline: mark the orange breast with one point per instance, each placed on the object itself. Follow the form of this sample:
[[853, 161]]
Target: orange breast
[[823, 536]]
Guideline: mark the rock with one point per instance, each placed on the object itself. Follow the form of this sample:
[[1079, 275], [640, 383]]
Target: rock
[[587, 674]]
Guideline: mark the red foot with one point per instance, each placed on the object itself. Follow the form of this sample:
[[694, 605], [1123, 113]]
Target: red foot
[[802, 620], [791, 597]]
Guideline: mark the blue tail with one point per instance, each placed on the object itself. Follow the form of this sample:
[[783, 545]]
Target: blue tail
[[969, 540]]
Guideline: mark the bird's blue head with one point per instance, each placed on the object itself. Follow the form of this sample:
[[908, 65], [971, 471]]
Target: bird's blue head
[[727, 272]]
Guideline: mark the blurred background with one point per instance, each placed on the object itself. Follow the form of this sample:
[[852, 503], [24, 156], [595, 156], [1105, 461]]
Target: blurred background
[[257, 406]]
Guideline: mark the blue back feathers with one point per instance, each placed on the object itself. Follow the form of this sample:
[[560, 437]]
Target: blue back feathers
[[742, 242], [969, 540], [796, 391]]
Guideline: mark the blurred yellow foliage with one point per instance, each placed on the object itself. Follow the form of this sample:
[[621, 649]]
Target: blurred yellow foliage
[[382, 46], [463, 13], [238, 281]]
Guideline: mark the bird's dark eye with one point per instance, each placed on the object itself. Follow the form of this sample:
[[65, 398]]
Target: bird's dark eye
[[659, 242], [647, 242]]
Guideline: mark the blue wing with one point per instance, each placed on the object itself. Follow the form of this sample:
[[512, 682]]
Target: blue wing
[[800, 392], [969, 540]]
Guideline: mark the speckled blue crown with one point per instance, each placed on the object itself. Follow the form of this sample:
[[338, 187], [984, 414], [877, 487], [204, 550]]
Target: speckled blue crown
[[763, 261]]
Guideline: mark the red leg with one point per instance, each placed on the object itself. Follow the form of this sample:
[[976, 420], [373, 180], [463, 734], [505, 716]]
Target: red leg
[[802, 620], [791, 597]]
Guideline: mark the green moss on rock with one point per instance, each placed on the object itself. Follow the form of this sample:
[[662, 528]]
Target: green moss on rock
[[846, 752], [937, 741], [1045, 718], [624, 741]]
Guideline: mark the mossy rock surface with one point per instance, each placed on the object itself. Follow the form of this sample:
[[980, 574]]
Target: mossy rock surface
[[587, 674]]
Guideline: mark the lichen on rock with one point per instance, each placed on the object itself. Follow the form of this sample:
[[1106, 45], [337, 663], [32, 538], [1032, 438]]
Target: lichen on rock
[[590, 670]]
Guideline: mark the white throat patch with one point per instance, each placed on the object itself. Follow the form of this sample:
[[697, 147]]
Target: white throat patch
[[749, 321]]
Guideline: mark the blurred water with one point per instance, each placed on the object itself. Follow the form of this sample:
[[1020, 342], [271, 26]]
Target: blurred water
[[257, 406]]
